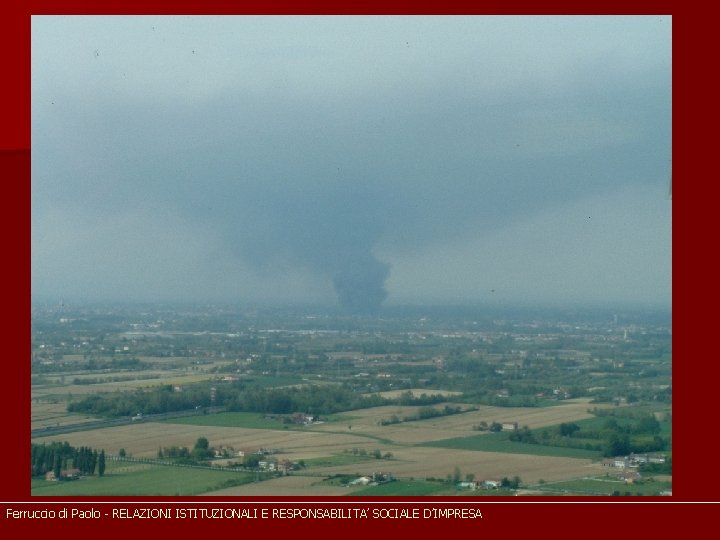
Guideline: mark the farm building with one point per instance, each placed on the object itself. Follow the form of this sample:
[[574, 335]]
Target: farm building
[[490, 484], [68, 474], [629, 477], [362, 481]]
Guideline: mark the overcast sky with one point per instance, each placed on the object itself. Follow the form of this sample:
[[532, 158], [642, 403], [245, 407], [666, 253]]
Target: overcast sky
[[352, 159]]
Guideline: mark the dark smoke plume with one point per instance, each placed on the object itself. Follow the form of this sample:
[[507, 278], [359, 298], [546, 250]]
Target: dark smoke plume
[[286, 181], [360, 284]]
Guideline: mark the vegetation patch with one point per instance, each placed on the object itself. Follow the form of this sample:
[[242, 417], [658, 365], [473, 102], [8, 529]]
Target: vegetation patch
[[425, 413], [500, 442], [406, 488], [348, 458], [228, 419], [123, 478], [606, 486]]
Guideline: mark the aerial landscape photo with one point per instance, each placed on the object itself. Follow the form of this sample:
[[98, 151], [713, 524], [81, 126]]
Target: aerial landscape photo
[[351, 256]]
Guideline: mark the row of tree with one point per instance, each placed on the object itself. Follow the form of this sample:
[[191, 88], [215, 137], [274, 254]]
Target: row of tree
[[159, 399], [200, 452], [425, 412], [60, 457], [313, 399]]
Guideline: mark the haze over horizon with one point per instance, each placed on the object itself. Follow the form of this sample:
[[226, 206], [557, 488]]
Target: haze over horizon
[[361, 160]]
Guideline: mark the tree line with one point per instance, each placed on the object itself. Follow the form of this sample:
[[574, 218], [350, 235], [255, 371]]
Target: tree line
[[424, 413], [312, 399], [60, 457], [639, 436]]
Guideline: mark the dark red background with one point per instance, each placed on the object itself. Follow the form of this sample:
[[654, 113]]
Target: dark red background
[[695, 491]]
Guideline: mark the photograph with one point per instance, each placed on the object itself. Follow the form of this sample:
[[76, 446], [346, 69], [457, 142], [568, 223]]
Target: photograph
[[393, 270]]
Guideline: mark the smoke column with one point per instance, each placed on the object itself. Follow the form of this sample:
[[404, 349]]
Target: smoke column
[[360, 284]]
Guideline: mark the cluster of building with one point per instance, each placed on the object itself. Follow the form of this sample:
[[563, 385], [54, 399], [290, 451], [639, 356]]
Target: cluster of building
[[374, 479], [67, 474], [480, 484], [628, 465]]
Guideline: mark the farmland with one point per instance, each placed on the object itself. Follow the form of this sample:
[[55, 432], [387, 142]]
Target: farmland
[[605, 486], [143, 480], [367, 421], [327, 449], [322, 400]]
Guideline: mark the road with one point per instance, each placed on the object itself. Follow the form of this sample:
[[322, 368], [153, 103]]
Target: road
[[112, 422]]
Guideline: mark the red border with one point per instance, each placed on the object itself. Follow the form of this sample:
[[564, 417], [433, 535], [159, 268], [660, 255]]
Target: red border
[[696, 369]]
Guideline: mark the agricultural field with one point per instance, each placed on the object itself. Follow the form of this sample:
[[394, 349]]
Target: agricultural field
[[494, 442], [291, 486], [229, 419], [143, 440], [327, 449], [417, 392], [432, 448], [53, 413], [132, 382], [602, 485], [367, 421], [417, 462], [137, 479], [335, 398]]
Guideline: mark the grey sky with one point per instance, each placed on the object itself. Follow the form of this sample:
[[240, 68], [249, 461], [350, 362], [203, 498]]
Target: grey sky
[[490, 159]]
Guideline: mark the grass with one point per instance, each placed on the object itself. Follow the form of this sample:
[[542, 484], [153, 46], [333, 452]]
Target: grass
[[122, 478], [340, 417], [405, 488], [498, 442], [269, 381], [624, 414], [605, 486], [417, 488], [230, 419], [549, 403], [338, 459], [250, 420]]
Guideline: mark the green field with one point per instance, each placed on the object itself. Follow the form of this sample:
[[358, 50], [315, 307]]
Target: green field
[[605, 486], [418, 488], [339, 417], [230, 419], [406, 488], [252, 420], [337, 459], [122, 478], [625, 415], [498, 442], [270, 381]]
